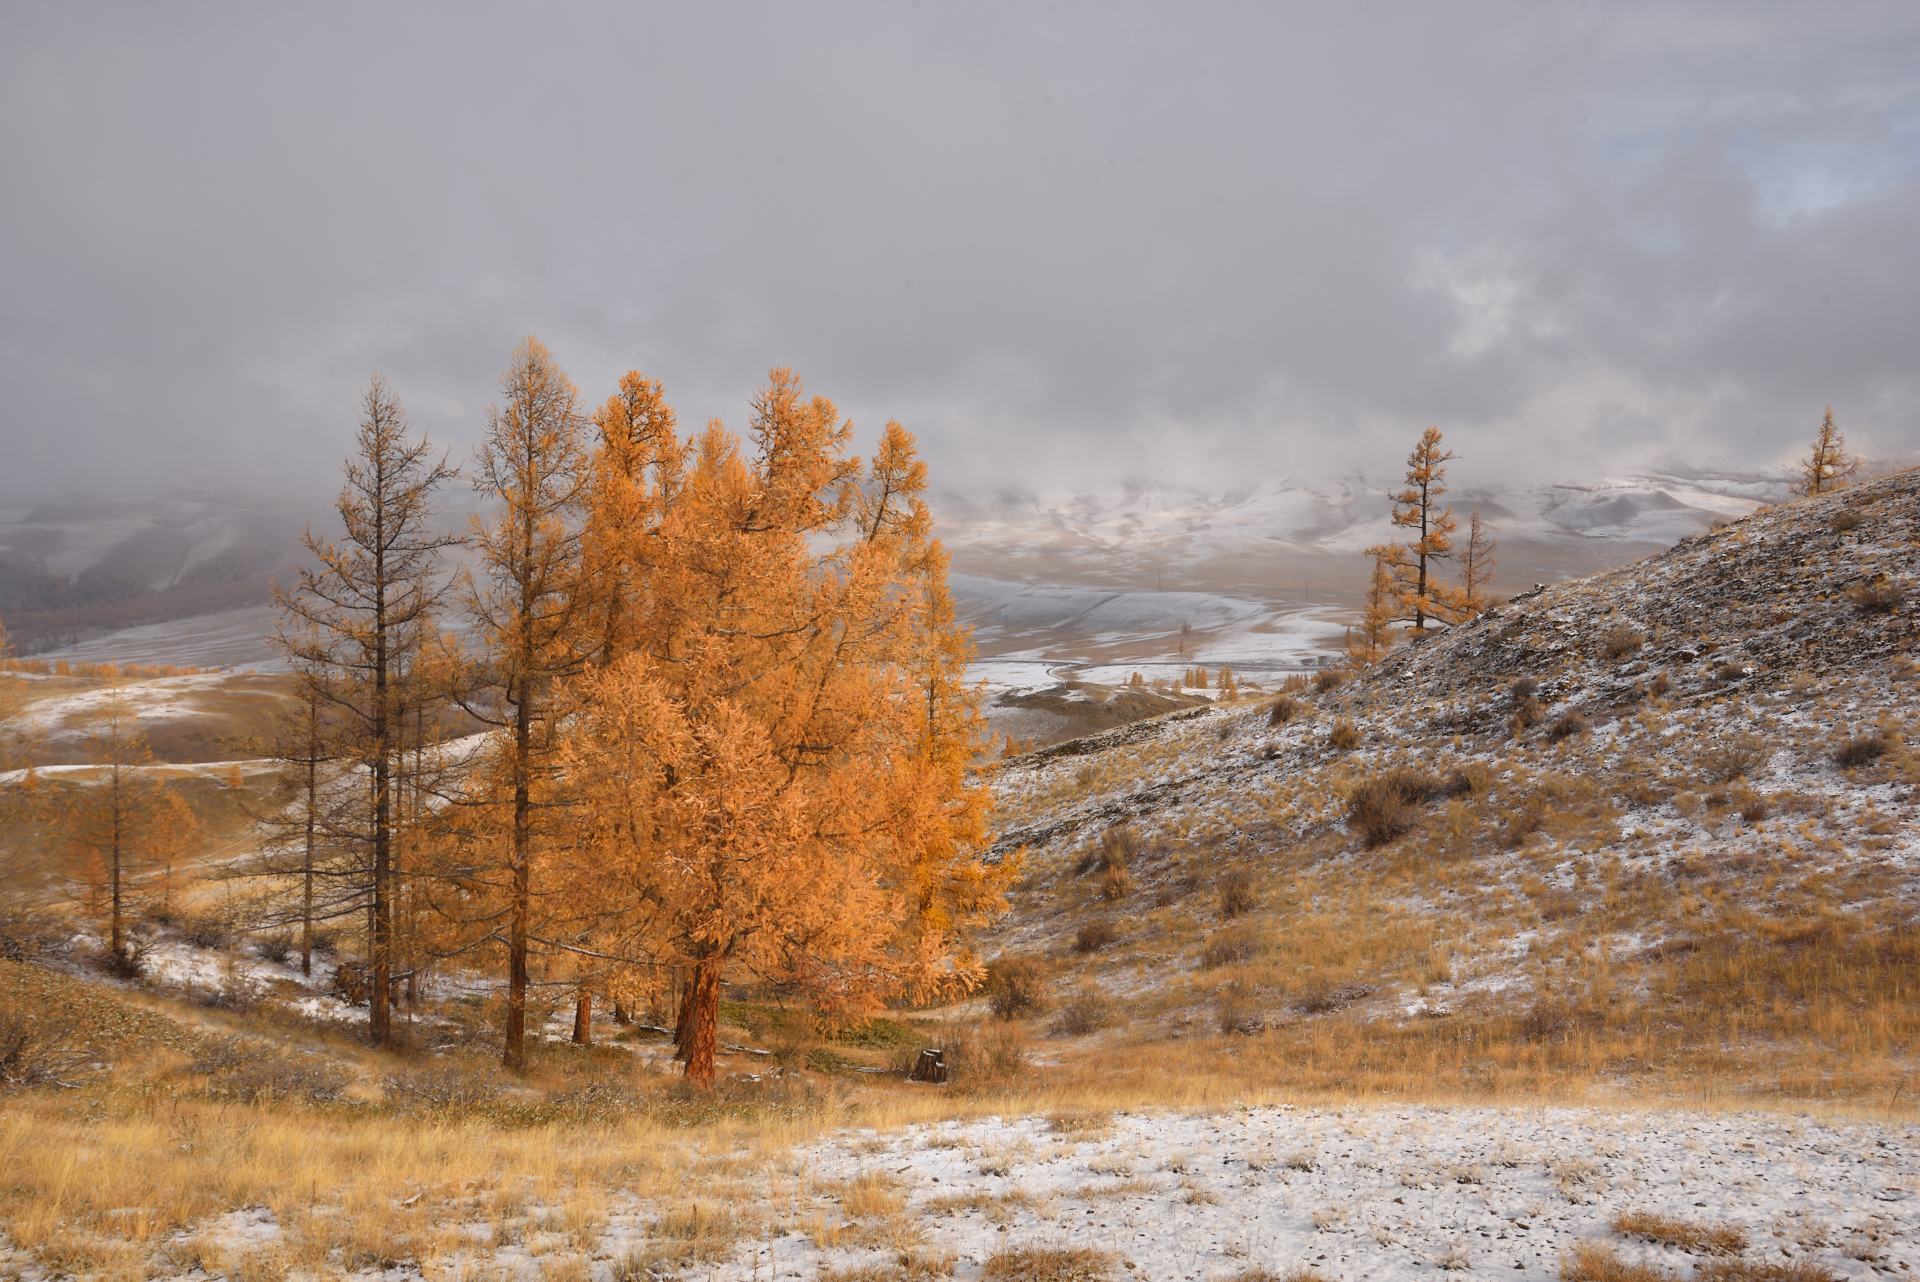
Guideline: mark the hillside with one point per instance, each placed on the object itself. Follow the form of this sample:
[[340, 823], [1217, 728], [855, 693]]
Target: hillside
[[1622, 830]]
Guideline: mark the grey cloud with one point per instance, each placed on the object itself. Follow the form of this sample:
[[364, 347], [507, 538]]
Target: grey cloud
[[1068, 245]]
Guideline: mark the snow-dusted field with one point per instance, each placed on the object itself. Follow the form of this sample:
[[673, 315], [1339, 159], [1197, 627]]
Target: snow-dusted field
[[1359, 1193]]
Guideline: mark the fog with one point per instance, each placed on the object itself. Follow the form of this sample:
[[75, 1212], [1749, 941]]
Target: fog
[[1070, 246]]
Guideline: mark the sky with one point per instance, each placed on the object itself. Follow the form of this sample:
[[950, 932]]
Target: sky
[[1068, 245]]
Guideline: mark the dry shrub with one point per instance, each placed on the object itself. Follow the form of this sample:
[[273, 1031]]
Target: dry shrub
[[1569, 725], [29, 936], [1523, 688], [446, 1087], [1528, 819], [1598, 1262], [1862, 750], [1016, 986], [1327, 679], [1543, 1020], [1116, 850], [1845, 519], [1095, 935], [1387, 805], [205, 932], [1323, 998], [1699, 1239], [1345, 735], [1621, 640], [1230, 946], [46, 1046], [1115, 884], [1755, 808], [985, 1055], [1088, 1011], [1282, 710], [251, 1073], [1236, 895], [1527, 712], [1237, 1014], [274, 948], [1883, 596], [1733, 758], [1762, 1271], [698, 1231], [1470, 780], [1049, 1264]]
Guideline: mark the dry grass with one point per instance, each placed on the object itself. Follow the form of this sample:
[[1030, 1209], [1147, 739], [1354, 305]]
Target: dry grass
[[1699, 1239], [1049, 1264], [1598, 1262]]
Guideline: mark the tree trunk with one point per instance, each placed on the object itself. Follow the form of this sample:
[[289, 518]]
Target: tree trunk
[[583, 1019], [703, 1009], [682, 1017], [517, 979], [306, 896]]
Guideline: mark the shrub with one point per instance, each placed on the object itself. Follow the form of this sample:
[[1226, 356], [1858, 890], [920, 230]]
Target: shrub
[[205, 932], [1049, 1264], [1469, 780], [1569, 725], [1236, 895], [985, 1055], [1282, 710], [1863, 750], [1088, 1011], [1327, 679], [443, 1088], [249, 1073], [1387, 805], [1524, 688], [1237, 1015], [1881, 597], [1701, 1239], [1621, 640], [1659, 686], [1733, 758], [1527, 712], [1323, 999], [1345, 735], [1230, 946], [1016, 986], [1845, 519], [28, 936], [42, 1046], [275, 948], [1115, 884], [1095, 935]]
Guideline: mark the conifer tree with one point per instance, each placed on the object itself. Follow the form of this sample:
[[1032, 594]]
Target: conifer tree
[[774, 777], [1375, 635], [1416, 507], [127, 826], [1477, 562], [357, 627], [536, 633], [1828, 465]]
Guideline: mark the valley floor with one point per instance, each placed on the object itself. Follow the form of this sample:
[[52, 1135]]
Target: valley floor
[[1350, 1193]]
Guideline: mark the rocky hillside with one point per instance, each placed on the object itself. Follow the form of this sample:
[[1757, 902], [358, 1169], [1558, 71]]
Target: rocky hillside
[[1626, 825]]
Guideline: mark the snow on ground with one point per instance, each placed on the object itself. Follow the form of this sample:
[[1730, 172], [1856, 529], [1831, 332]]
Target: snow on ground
[[1380, 1193], [227, 639]]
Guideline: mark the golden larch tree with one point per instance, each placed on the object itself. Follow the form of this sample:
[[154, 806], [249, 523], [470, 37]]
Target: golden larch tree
[[1417, 507], [1828, 466], [534, 466], [1375, 636], [1477, 563], [773, 778]]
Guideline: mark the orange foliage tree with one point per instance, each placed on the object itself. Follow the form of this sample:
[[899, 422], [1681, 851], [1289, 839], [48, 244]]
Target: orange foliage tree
[[769, 768], [1417, 507]]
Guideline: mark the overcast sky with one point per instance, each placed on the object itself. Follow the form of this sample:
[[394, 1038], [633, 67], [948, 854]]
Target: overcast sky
[[1068, 245]]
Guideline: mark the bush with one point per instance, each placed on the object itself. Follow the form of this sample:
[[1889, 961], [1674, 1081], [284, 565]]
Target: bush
[[1527, 712], [1863, 750], [42, 1046], [250, 1074], [1230, 946], [1621, 640], [1387, 805], [29, 936], [1524, 688], [985, 1055], [275, 948], [1095, 935], [1323, 999], [1567, 727], [1345, 735], [1328, 679], [1016, 986], [1734, 758], [443, 1088], [1115, 884], [205, 932], [1088, 1011], [1236, 895], [1282, 710], [1881, 597], [1844, 520]]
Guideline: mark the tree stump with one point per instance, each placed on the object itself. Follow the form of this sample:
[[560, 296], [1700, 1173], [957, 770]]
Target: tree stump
[[930, 1067]]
